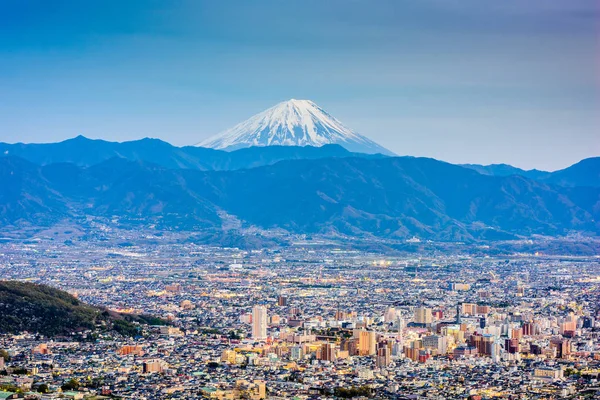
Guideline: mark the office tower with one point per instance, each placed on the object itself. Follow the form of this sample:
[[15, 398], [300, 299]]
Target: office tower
[[511, 345], [495, 352], [282, 301], [423, 316], [482, 309], [516, 333], [469, 308], [483, 343], [535, 349], [259, 322], [437, 343], [383, 357], [569, 325], [400, 326], [296, 353], [327, 352], [366, 342], [562, 346], [528, 329]]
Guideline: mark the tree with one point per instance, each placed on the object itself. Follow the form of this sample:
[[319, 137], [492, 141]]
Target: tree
[[20, 371], [353, 391], [72, 384], [43, 388]]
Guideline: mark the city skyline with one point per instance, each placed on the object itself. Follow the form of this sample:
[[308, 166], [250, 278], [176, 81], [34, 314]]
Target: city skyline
[[299, 199]]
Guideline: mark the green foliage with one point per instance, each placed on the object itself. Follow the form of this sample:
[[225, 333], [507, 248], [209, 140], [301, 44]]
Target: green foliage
[[354, 391], [210, 331], [10, 388], [572, 372], [43, 388], [72, 384], [4, 354], [20, 371], [37, 308], [25, 306], [125, 328], [145, 319]]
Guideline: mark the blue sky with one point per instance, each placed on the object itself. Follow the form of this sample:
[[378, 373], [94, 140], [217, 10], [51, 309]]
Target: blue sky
[[460, 80]]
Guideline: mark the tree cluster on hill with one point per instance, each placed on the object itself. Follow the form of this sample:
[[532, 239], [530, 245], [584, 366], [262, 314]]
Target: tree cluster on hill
[[30, 307]]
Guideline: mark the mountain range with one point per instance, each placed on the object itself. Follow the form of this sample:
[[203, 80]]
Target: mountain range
[[391, 197], [292, 167], [86, 152], [584, 173]]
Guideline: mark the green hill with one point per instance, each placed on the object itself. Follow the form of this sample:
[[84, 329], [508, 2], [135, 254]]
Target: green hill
[[48, 311]]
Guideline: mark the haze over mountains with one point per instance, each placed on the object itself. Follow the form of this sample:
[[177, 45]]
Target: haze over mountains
[[296, 168], [86, 152], [300, 189]]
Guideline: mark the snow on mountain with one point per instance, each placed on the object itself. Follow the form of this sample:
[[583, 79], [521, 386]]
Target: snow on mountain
[[292, 123]]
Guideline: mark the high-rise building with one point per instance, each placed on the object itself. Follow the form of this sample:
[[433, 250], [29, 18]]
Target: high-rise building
[[259, 322], [296, 353], [562, 346], [383, 357], [282, 301], [327, 352], [367, 342], [437, 343], [528, 329], [483, 343], [495, 351], [511, 346], [423, 316]]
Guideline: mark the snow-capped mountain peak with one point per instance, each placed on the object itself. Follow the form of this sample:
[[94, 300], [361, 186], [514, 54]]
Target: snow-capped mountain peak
[[292, 123]]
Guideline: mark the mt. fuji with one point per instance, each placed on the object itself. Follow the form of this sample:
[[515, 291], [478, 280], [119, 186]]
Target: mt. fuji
[[293, 123]]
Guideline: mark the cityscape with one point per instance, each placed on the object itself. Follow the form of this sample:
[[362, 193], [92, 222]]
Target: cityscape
[[312, 321], [299, 199]]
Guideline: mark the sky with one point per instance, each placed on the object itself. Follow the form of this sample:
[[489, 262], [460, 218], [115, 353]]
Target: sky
[[465, 81]]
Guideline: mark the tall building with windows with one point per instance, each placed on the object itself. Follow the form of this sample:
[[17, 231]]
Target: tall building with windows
[[282, 301], [383, 357], [259, 322], [326, 352], [367, 342], [423, 316]]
